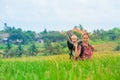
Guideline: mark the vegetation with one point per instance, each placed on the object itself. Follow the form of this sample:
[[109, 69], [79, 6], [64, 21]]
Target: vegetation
[[117, 48], [102, 67], [33, 50], [19, 50], [110, 35], [14, 41], [55, 48], [53, 36]]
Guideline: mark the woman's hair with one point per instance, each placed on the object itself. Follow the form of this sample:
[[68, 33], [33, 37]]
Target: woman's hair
[[86, 34]]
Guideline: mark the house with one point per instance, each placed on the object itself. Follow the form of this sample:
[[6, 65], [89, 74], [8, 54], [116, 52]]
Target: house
[[4, 37], [38, 38]]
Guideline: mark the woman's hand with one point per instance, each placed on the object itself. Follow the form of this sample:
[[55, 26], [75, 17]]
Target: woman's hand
[[78, 30], [75, 44]]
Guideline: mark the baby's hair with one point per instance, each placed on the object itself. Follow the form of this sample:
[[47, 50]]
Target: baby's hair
[[86, 34], [74, 36]]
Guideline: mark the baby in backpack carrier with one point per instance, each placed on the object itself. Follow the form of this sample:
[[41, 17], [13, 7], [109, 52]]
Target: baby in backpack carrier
[[76, 52]]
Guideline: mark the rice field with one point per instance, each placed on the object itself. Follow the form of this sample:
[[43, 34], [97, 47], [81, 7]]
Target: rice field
[[102, 66]]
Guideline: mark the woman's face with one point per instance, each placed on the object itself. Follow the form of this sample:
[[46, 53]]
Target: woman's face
[[74, 38], [85, 38]]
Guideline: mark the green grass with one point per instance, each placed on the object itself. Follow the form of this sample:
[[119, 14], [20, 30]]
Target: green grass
[[101, 67]]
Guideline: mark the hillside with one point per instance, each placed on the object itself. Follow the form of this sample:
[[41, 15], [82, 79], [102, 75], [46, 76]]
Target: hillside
[[105, 47]]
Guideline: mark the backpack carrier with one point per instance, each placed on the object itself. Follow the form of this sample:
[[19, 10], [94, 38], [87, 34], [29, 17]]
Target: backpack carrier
[[71, 46]]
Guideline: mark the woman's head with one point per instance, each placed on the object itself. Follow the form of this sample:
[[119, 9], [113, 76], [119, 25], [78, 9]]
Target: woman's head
[[74, 38], [85, 37]]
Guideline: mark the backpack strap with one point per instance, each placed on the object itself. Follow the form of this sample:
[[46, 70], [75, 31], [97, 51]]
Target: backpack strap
[[82, 48]]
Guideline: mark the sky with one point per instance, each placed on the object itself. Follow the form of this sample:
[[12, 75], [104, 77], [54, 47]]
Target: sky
[[60, 15]]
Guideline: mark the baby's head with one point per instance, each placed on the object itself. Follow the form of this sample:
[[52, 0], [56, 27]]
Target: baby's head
[[85, 37], [74, 38]]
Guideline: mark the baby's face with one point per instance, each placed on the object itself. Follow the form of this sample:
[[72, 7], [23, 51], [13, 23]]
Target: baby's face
[[74, 38], [85, 38]]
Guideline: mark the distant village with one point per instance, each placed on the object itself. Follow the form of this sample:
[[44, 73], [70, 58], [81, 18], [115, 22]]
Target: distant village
[[4, 38]]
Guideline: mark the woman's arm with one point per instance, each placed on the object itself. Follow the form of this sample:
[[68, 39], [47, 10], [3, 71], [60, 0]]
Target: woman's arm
[[69, 34], [91, 47], [77, 51]]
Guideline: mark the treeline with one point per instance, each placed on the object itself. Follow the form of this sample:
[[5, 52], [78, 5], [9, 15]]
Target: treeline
[[16, 35], [14, 41], [110, 35], [19, 50]]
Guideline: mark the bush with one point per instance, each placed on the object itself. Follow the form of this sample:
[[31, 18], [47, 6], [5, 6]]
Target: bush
[[55, 48], [117, 48], [2, 46]]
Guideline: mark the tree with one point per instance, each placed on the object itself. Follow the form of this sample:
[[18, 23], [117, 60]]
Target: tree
[[57, 48], [19, 50], [6, 28], [81, 27], [33, 50], [48, 47], [7, 49], [28, 36], [45, 31], [53, 36], [53, 48], [16, 34]]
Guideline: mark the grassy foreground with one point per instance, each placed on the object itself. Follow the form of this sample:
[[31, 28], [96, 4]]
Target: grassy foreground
[[101, 67]]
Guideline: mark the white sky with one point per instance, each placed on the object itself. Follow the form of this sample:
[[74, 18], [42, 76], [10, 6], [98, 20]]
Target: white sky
[[60, 14]]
